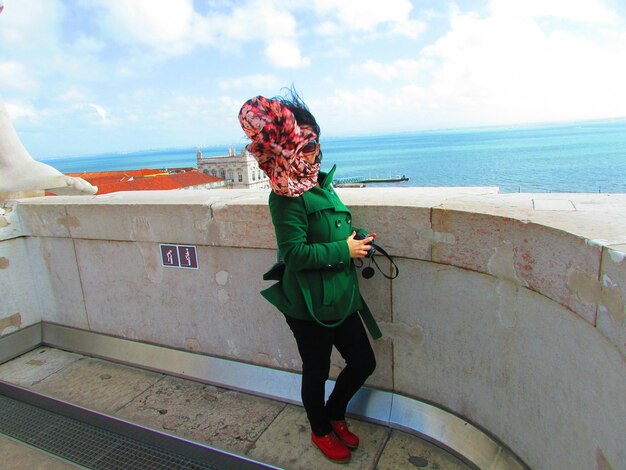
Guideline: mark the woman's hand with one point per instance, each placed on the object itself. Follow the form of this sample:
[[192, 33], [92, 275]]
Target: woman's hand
[[360, 248]]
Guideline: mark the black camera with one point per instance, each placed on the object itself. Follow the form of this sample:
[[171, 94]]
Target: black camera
[[360, 236], [368, 271]]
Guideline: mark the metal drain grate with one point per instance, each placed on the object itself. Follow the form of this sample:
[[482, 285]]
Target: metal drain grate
[[91, 446], [84, 444]]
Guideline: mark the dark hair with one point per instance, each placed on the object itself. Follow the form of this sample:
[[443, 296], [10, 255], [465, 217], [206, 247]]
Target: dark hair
[[293, 101]]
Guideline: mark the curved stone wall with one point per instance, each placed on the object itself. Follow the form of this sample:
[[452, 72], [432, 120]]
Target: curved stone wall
[[508, 311]]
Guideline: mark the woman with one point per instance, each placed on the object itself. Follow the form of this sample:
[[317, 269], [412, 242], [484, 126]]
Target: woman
[[318, 289]]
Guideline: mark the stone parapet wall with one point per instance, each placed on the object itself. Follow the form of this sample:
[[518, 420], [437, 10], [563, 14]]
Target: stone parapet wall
[[509, 308]]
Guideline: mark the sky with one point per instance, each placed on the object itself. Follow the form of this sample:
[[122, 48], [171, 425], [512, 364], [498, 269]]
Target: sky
[[85, 77]]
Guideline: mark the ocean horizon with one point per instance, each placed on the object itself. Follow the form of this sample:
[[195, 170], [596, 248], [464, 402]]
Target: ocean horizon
[[588, 156]]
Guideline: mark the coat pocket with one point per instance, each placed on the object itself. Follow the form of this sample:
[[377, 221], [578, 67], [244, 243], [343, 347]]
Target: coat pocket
[[337, 288], [328, 287]]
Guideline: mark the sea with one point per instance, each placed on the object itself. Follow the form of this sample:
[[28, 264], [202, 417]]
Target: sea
[[581, 157]]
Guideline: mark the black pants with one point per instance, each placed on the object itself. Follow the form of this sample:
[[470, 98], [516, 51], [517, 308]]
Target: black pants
[[315, 344]]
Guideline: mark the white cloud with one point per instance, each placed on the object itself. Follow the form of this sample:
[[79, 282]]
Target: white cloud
[[15, 76], [372, 110], [588, 11], [400, 69], [412, 97], [410, 28], [173, 27], [284, 53], [259, 81], [257, 19], [261, 20], [28, 25], [365, 14], [32, 33], [505, 68], [327, 28], [22, 111], [203, 116], [508, 61], [163, 25], [180, 106], [229, 109], [364, 102], [495, 69], [102, 113]]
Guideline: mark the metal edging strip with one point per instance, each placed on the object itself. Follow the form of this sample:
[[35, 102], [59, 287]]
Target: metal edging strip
[[272, 383], [19, 342], [445, 429], [453, 433]]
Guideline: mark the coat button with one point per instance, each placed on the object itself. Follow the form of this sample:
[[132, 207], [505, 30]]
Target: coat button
[[349, 219], [338, 223], [341, 264]]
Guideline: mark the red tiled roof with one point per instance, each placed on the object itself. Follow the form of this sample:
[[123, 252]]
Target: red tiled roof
[[193, 178], [118, 173], [146, 179]]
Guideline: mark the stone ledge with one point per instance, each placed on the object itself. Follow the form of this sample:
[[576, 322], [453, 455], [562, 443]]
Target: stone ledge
[[550, 243], [600, 218]]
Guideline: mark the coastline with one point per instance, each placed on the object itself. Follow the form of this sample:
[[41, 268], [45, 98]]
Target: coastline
[[582, 157]]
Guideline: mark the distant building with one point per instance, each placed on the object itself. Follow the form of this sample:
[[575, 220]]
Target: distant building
[[239, 171], [150, 179]]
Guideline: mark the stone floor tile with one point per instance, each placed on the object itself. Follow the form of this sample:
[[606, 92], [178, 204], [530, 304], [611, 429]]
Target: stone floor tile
[[221, 418], [408, 451], [287, 444], [18, 456], [34, 366], [98, 385]]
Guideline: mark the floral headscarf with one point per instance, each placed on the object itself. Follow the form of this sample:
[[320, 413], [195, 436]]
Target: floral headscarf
[[277, 142]]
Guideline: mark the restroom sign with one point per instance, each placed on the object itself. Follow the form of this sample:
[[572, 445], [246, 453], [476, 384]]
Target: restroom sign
[[179, 256]]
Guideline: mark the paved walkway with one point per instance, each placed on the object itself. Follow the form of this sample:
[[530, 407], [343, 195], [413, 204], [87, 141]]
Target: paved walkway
[[264, 430]]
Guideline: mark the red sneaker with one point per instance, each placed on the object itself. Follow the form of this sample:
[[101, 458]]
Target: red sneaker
[[332, 447], [350, 439]]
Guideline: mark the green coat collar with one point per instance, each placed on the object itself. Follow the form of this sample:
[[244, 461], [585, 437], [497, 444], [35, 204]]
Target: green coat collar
[[326, 179], [323, 197]]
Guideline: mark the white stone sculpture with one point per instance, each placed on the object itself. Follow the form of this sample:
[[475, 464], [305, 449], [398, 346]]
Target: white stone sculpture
[[19, 173]]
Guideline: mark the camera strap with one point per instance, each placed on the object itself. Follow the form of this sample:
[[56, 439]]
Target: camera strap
[[368, 272]]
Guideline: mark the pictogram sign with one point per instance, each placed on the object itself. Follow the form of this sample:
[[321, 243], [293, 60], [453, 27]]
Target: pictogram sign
[[179, 256]]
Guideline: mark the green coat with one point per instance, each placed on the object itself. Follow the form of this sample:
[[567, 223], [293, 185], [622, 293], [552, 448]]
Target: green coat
[[319, 281]]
